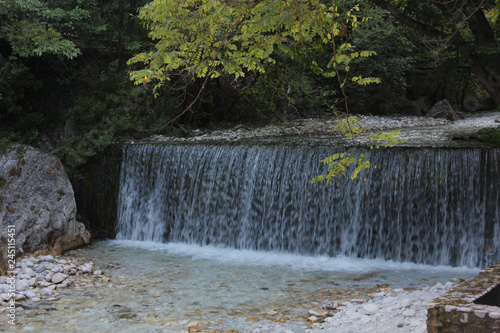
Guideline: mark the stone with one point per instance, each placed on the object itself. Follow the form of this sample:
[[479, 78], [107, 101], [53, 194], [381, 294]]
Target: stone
[[28, 271], [64, 284], [480, 313], [56, 269], [86, 268], [406, 303], [314, 313], [449, 308], [127, 315], [22, 285], [58, 278], [331, 305], [38, 200], [27, 263], [49, 276], [43, 283], [46, 292], [494, 315], [32, 282], [313, 319], [29, 293], [68, 268], [442, 109], [370, 309], [41, 269]]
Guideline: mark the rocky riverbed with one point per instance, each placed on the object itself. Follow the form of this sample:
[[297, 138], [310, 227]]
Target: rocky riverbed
[[112, 288], [41, 278], [389, 310]]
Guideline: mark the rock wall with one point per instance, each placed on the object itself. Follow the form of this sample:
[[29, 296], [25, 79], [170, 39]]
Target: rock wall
[[96, 192], [36, 197]]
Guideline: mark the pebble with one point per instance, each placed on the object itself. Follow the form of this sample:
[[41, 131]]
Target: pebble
[[58, 278], [38, 278], [400, 309], [22, 285], [370, 309], [331, 305], [86, 268], [406, 303], [46, 292]]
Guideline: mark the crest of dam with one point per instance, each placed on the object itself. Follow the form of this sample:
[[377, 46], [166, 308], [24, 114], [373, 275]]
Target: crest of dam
[[436, 206]]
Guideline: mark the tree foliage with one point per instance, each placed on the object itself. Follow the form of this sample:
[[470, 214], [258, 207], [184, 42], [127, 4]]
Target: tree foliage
[[208, 39], [64, 81], [469, 26], [32, 28]]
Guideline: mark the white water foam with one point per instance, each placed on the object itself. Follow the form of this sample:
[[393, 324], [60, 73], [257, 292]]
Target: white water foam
[[291, 261]]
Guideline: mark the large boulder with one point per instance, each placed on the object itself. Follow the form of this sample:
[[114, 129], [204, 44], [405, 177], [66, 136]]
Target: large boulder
[[442, 109], [37, 198]]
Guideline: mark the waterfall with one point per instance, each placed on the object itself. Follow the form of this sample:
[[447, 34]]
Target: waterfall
[[422, 205]]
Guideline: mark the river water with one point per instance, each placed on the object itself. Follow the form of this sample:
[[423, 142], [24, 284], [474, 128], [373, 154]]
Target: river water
[[170, 287]]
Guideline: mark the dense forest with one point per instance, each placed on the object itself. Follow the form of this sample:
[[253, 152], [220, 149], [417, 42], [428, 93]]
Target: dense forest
[[78, 75]]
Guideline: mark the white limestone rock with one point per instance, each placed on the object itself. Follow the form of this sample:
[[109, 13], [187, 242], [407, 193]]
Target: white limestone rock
[[58, 278], [39, 201], [370, 309]]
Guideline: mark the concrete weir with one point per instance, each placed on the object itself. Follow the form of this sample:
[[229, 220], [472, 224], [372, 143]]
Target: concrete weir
[[470, 307]]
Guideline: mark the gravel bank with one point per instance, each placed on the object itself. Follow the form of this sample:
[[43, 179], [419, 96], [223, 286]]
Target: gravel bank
[[391, 310]]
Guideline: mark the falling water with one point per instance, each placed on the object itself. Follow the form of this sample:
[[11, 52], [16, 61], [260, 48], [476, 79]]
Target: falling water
[[422, 205]]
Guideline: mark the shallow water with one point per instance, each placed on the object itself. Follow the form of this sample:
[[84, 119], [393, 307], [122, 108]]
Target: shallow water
[[170, 287]]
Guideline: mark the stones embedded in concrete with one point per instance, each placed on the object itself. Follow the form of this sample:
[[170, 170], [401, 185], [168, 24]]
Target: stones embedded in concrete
[[458, 309]]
